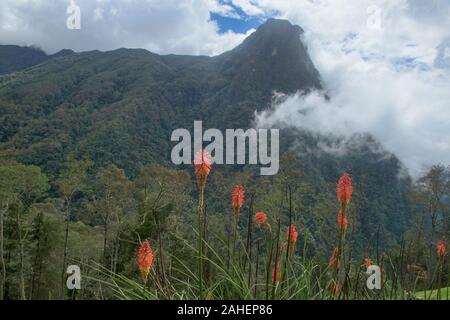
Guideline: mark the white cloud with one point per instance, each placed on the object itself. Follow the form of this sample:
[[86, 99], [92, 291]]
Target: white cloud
[[169, 26], [98, 14], [221, 8], [392, 83], [409, 113], [248, 6]]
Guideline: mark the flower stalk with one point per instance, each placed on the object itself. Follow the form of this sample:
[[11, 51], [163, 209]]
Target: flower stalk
[[344, 192], [202, 166]]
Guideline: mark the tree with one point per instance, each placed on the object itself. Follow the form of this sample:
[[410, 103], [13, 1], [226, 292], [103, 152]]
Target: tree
[[430, 197], [161, 192], [115, 191], [435, 186], [20, 187], [71, 180]]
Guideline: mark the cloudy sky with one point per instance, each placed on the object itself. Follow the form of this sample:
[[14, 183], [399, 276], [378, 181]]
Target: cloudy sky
[[385, 63]]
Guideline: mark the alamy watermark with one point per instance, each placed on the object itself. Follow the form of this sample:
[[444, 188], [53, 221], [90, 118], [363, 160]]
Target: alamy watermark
[[237, 147], [74, 279], [73, 22], [374, 279]]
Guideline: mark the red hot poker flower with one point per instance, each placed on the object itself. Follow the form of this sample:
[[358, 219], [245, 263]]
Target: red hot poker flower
[[335, 289], [344, 189], [441, 249], [202, 166], [276, 277], [342, 223], [237, 197], [260, 218], [292, 234], [333, 259], [367, 262], [145, 260]]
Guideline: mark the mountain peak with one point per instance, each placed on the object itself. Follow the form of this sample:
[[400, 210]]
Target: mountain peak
[[280, 26], [63, 53], [273, 58], [14, 58], [276, 31]]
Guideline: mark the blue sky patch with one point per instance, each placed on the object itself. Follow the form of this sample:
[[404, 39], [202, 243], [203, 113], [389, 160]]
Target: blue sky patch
[[235, 24], [241, 25]]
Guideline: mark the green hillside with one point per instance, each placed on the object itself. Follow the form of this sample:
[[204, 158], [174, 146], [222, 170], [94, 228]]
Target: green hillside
[[120, 108]]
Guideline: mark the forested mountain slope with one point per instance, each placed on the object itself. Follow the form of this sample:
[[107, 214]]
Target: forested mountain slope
[[120, 107]]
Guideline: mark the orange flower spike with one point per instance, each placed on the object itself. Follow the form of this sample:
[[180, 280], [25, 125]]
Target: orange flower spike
[[335, 289], [276, 277], [441, 249], [260, 218], [367, 262], [344, 189], [202, 166], [292, 234], [333, 259], [342, 223], [145, 260], [237, 197]]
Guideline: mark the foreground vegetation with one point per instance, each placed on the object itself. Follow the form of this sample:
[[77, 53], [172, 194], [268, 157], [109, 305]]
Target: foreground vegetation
[[148, 238], [433, 294]]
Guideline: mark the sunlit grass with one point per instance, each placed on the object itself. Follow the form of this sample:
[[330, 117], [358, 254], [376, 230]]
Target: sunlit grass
[[433, 294]]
